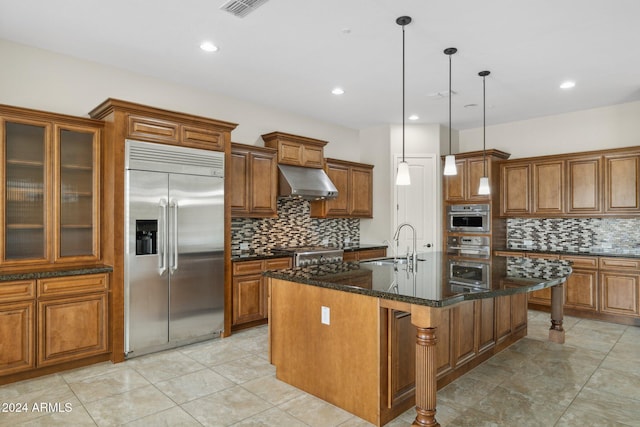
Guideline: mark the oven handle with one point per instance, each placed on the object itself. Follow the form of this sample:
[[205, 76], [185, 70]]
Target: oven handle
[[467, 248]]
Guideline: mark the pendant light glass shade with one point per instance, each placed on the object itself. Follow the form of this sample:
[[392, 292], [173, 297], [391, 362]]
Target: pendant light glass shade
[[484, 187], [450, 160], [450, 165], [403, 177]]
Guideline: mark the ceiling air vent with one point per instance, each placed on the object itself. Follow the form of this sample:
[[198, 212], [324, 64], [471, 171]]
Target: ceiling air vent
[[242, 8]]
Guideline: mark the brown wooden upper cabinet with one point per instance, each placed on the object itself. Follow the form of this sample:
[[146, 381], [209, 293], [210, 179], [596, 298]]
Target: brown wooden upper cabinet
[[548, 187], [621, 183], [584, 185], [253, 181], [144, 123], [515, 189], [463, 187], [175, 133], [354, 182], [50, 192], [296, 150], [592, 183]]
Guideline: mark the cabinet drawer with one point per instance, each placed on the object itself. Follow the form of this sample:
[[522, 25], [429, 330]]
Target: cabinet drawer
[[543, 256], [149, 129], [350, 256], [69, 285], [16, 291], [619, 263], [371, 253], [508, 253], [581, 261], [247, 267], [277, 264], [200, 137]]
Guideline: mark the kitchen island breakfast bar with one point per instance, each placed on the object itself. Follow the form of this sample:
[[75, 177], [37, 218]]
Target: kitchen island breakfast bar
[[378, 337]]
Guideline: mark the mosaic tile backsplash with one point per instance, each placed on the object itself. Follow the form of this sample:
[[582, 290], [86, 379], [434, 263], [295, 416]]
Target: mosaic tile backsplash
[[574, 234], [292, 227]]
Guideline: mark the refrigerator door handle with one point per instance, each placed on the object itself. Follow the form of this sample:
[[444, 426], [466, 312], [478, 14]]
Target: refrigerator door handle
[[162, 236], [174, 256]]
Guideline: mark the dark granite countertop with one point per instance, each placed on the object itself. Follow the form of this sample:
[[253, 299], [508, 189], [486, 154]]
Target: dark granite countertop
[[593, 252], [258, 255], [54, 272], [273, 253], [362, 247], [430, 284]]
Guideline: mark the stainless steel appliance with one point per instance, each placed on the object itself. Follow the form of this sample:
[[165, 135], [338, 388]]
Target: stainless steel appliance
[[469, 273], [313, 255], [469, 218], [469, 246], [305, 183], [174, 247]]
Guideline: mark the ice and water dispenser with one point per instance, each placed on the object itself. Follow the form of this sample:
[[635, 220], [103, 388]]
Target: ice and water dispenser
[[146, 236]]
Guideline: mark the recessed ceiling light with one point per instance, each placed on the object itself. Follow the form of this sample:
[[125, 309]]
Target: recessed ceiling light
[[413, 117], [567, 85], [337, 91], [208, 47]]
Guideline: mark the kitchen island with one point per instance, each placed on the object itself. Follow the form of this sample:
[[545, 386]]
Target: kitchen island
[[378, 337]]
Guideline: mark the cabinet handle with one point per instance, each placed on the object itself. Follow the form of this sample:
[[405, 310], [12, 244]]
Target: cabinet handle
[[162, 230], [174, 265]]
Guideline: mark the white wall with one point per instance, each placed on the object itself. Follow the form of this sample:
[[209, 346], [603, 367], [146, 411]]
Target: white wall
[[375, 149], [594, 129], [44, 80], [378, 147]]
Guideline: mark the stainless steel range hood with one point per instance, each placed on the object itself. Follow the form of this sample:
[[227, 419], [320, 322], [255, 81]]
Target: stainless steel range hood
[[306, 183]]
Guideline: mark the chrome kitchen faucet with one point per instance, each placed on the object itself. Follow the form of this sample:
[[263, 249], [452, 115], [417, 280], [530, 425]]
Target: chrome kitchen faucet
[[414, 256]]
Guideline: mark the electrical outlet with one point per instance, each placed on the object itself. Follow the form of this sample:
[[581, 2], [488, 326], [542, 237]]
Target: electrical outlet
[[347, 240], [325, 314], [244, 246], [325, 242]]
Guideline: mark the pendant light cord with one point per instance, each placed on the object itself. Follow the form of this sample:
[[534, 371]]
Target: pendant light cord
[[403, 102], [484, 128], [449, 104]]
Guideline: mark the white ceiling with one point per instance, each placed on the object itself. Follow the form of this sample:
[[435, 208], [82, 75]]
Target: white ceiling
[[289, 54]]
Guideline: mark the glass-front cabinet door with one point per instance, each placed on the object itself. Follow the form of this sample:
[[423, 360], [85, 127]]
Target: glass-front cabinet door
[[77, 192], [49, 190], [26, 182]]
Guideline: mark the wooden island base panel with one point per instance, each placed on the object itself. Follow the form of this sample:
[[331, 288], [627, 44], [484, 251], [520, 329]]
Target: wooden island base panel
[[426, 355], [376, 355]]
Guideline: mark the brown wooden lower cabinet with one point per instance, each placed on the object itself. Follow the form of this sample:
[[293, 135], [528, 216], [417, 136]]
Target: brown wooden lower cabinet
[[17, 337], [362, 254], [50, 321], [581, 290], [249, 300], [620, 293], [466, 336], [606, 288], [71, 328]]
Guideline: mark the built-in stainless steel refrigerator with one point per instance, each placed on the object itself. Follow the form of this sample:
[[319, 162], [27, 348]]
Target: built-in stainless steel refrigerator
[[174, 249]]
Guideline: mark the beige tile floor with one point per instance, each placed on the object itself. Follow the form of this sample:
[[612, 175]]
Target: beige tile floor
[[591, 380]]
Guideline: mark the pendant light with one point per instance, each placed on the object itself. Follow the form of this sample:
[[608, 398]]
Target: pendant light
[[403, 177], [450, 160], [484, 181]]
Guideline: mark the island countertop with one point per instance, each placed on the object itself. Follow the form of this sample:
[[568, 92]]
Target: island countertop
[[430, 284]]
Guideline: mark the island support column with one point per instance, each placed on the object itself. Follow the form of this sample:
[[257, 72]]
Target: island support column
[[425, 320], [556, 332]]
